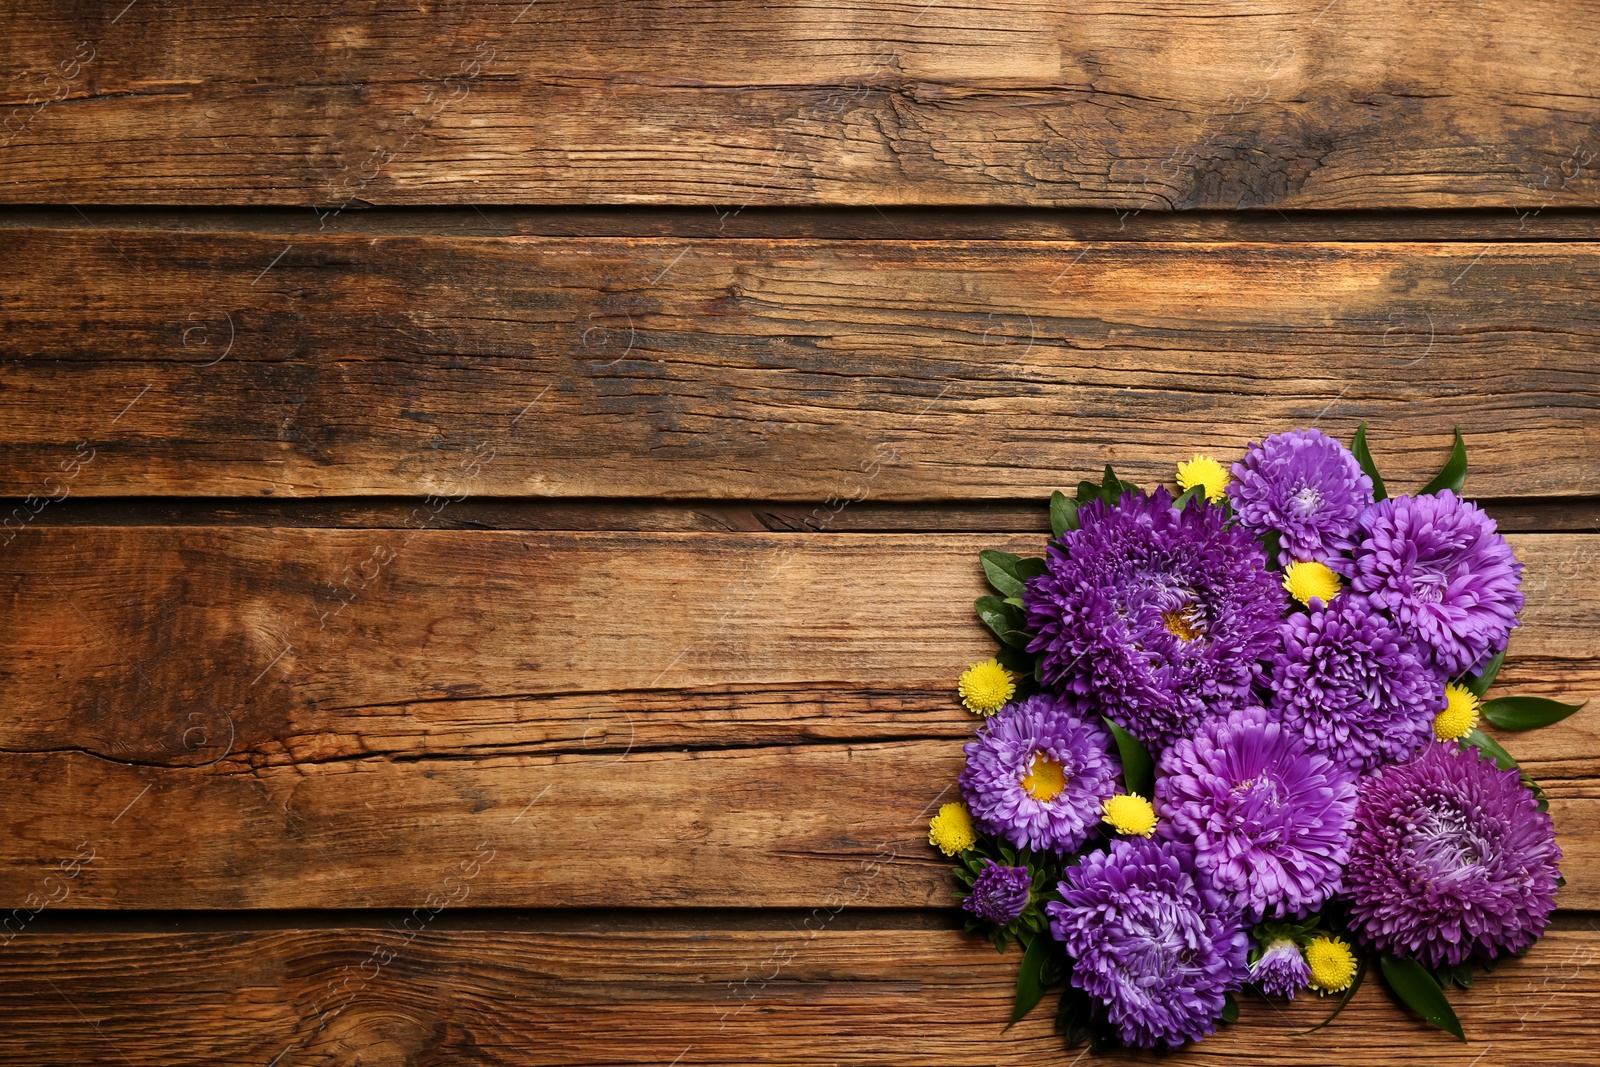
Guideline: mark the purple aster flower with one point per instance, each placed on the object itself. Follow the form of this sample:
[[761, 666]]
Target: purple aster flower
[[999, 894], [1037, 774], [1451, 858], [1306, 486], [1354, 685], [1151, 940], [1281, 970], [1159, 615], [1438, 567], [1268, 816]]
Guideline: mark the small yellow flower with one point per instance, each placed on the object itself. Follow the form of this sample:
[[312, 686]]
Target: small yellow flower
[[1130, 813], [1332, 964], [986, 687], [1307, 580], [1207, 472], [951, 830], [1459, 716]]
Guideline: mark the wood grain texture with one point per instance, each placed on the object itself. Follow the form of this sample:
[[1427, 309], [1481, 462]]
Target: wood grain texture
[[321, 718], [294, 365], [812, 994], [1140, 107]]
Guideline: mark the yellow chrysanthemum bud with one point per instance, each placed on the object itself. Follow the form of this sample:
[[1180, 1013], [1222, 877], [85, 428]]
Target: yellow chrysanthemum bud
[[1332, 964], [1129, 813], [1307, 580], [1207, 472], [1460, 714], [951, 831], [986, 687]]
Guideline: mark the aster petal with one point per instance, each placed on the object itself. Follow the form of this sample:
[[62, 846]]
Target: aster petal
[[1268, 816], [1003, 755], [1451, 858], [1150, 939], [1159, 616]]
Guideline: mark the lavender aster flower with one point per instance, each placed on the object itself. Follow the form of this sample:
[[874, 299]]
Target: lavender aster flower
[[1268, 816], [999, 893], [1159, 615], [1038, 772], [1150, 939], [1354, 685], [1281, 970], [1451, 857], [1306, 486], [1438, 566]]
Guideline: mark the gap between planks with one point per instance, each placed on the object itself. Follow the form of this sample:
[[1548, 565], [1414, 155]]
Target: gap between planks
[[886, 224], [1514, 515]]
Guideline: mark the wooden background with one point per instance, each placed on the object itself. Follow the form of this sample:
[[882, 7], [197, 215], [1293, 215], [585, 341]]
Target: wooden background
[[496, 486]]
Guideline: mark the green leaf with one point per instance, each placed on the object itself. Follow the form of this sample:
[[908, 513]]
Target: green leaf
[[1230, 1009], [1272, 544], [1490, 747], [1479, 683], [1111, 487], [1075, 1016], [1188, 495], [1416, 988], [1001, 570], [1355, 984], [1138, 771], [1030, 979], [1018, 661], [1358, 447], [1087, 491], [1005, 620], [1454, 473], [1459, 975], [1526, 713], [1063, 514]]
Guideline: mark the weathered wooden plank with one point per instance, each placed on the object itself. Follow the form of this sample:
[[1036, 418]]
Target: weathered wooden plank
[[244, 364], [817, 993], [1143, 107], [337, 712]]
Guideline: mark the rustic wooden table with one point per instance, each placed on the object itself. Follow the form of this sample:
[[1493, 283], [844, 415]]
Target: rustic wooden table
[[497, 485]]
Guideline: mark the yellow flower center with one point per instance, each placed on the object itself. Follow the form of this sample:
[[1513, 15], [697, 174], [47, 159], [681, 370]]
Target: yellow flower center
[[951, 831], [1129, 813], [1045, 778], [1206, 472], [1459, 716], [1184, 625], [1307, 580], [1332, 964], [986, 687]]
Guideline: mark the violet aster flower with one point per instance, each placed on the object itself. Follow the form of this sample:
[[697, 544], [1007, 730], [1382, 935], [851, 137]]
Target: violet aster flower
[[1159, 615], [1354, 685], [1038, 772], [1281, 970], [999, 893], [1268, 816], [1438, 567], [1303, 484], [1150, 939], [1451, 858]]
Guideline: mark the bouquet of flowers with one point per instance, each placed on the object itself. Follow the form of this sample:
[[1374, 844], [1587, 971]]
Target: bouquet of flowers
[[1231, 741]]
